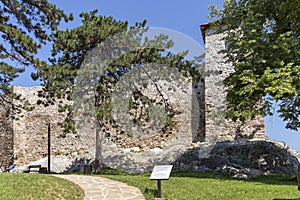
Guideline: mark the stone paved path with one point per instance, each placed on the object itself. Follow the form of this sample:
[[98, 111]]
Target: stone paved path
[[98, 188]]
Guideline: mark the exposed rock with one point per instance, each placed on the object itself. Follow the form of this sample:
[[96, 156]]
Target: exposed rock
[[240, 159]]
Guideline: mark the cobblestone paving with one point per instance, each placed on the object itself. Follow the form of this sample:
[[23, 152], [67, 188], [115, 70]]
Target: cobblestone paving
[[98, 188]]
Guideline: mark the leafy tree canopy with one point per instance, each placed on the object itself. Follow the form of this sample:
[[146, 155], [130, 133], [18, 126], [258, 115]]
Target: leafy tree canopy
[[264, 38], [25, 26]]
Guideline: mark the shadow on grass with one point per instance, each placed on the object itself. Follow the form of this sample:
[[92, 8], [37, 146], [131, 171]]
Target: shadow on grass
[[277, 179], [269, 180], [110, 171], [150, 192]]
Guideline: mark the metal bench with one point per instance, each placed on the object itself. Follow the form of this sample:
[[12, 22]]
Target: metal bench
[[34, 167]]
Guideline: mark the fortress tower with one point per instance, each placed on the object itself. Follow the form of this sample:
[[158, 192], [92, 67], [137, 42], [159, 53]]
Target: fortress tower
[[217, 128]]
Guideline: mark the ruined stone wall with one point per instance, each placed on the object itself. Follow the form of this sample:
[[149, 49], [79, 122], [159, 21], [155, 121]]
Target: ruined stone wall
[[6, 136], [139, 153], [31, 130], [217, 127], [120, 150], [201, 119]]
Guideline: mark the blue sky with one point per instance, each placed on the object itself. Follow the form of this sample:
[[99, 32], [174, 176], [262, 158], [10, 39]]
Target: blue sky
[[182, 16]]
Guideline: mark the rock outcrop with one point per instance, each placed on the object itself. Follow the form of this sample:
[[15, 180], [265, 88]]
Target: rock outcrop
[[241, 159]]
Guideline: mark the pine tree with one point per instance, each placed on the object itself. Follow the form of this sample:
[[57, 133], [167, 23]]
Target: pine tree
[[25, 27], [100, 47]]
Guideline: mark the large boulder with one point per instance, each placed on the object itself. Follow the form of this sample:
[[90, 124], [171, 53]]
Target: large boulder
[[240, 159]]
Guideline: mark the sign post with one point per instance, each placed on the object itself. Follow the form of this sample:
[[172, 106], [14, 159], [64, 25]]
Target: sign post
[[49, 147], [158, 188], [160, 172]]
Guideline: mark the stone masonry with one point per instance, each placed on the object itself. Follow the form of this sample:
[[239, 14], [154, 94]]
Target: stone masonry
[[6, 137], [217, 128], [30, 130], [25, 139]]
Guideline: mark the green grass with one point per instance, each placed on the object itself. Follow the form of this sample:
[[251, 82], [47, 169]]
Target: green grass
[[189, 186], [36, 187], [192, 186]]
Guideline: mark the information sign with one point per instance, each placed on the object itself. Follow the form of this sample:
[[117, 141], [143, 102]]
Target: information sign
[[161, 172]]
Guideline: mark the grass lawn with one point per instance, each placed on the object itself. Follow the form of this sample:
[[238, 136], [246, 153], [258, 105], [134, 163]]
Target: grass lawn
[[210, 186], [36, 187], [189, 186]]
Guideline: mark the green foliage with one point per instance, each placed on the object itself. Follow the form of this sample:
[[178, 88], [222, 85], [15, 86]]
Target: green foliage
[[69, 51], [264, 50], [25, 26]]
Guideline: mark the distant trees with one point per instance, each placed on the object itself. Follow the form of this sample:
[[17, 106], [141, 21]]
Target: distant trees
[[264, 37]]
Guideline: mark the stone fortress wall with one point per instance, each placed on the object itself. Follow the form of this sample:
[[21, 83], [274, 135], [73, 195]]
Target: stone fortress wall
[[217, 128], [26, 140], [6, 137], [31, 130]]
